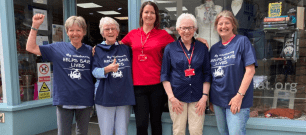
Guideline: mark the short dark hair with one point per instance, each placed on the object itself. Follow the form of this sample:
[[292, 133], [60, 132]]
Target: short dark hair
[[157, 21]]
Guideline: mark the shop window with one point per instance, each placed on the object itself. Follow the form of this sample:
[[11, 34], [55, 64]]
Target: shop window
[[93, 13], [50, 31], [279, 82]]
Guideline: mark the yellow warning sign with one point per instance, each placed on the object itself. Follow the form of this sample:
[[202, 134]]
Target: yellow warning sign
[[44, 95], [44, 88]]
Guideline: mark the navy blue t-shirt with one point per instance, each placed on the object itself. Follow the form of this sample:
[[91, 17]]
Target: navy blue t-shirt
[[117, 88], [228, 67], [186, 89], [73, 81]]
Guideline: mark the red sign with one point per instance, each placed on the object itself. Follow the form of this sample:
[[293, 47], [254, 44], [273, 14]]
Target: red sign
[[44, 69], [44, 79]]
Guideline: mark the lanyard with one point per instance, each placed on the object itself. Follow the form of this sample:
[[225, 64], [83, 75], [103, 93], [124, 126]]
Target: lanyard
[[142, 44], [225, 43], [189, 60]]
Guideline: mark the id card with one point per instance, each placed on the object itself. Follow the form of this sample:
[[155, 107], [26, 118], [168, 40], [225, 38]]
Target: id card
[[189, 72], [142, 57]]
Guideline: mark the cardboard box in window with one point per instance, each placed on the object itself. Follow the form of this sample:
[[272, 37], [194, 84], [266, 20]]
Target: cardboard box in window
[[300, 18]]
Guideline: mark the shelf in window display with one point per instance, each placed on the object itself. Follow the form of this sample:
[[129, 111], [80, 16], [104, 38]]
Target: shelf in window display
[[280, 30], [280, 58]]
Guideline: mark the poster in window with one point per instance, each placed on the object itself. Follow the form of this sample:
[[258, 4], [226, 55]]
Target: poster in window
[[42, 40], [275, 9], [57, 33]]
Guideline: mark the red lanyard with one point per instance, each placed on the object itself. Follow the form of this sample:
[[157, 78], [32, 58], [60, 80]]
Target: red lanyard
[[229, 40], [142, 44], [189, 60]]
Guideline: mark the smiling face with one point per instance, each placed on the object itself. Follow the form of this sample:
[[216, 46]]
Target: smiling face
[[225, 28], [110, 33], [148, 15], [186, 30], [75, 34]]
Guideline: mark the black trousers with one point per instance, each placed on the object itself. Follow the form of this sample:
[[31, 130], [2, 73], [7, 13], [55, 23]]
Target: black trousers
[[150, 101]]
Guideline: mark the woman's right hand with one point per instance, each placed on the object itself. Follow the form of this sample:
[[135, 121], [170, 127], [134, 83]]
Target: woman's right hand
[[177, 106], [113, 67], [37, 20]]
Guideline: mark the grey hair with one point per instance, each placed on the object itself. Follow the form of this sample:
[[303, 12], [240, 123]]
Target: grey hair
[[108, 21], [186, 16], [78, 20]]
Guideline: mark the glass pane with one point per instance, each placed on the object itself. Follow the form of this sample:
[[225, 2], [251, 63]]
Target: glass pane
[[50, 31]]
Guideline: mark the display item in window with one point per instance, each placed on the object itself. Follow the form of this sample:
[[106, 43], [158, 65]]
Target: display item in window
[[206, 15]]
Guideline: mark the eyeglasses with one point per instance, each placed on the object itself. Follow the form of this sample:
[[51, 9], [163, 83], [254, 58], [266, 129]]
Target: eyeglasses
[[108, 29], [187, 28]]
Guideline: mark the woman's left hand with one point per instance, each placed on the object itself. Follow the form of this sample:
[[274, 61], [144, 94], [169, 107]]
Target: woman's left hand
[[201, 105], [235, 103], [93, 50], [203, 41]]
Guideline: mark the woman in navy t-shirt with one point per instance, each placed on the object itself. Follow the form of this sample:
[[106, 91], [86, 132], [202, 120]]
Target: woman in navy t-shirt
[[73, 88], [114, 92], [233, 63]]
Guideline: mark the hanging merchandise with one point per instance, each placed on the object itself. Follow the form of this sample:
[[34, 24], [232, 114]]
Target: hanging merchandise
[[288, 49]]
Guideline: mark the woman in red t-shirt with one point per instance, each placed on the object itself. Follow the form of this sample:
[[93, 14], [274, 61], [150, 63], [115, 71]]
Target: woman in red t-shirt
[[148, 43]]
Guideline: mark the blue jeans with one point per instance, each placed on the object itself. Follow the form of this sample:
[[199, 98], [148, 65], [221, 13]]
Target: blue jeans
[[229, 123]]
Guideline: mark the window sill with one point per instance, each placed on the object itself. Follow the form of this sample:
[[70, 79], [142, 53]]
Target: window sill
[[26, 105]]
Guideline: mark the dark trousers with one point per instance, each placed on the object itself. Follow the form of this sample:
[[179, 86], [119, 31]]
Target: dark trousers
[[150, 101], [65, 118]]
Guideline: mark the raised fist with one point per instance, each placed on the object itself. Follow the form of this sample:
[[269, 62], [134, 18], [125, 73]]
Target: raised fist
[[37, 19]]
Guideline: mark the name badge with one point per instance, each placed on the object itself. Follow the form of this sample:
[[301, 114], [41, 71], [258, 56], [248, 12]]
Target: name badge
[[142, 57], [189, 72]]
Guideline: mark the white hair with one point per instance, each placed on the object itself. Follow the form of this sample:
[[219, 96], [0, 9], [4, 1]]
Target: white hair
[[107, 21], [186, 16]]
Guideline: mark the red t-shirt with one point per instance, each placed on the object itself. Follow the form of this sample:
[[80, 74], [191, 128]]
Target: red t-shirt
[[147, 72]]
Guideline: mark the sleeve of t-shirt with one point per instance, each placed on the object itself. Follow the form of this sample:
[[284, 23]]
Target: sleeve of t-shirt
[[98, 69], [47, 51], [127, 39], [166, 65], [248, 54], [167, 38]]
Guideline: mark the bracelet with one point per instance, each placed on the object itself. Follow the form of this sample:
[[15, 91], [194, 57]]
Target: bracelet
[[171, 98], [205, 94], [34, 28], [240, 93]]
